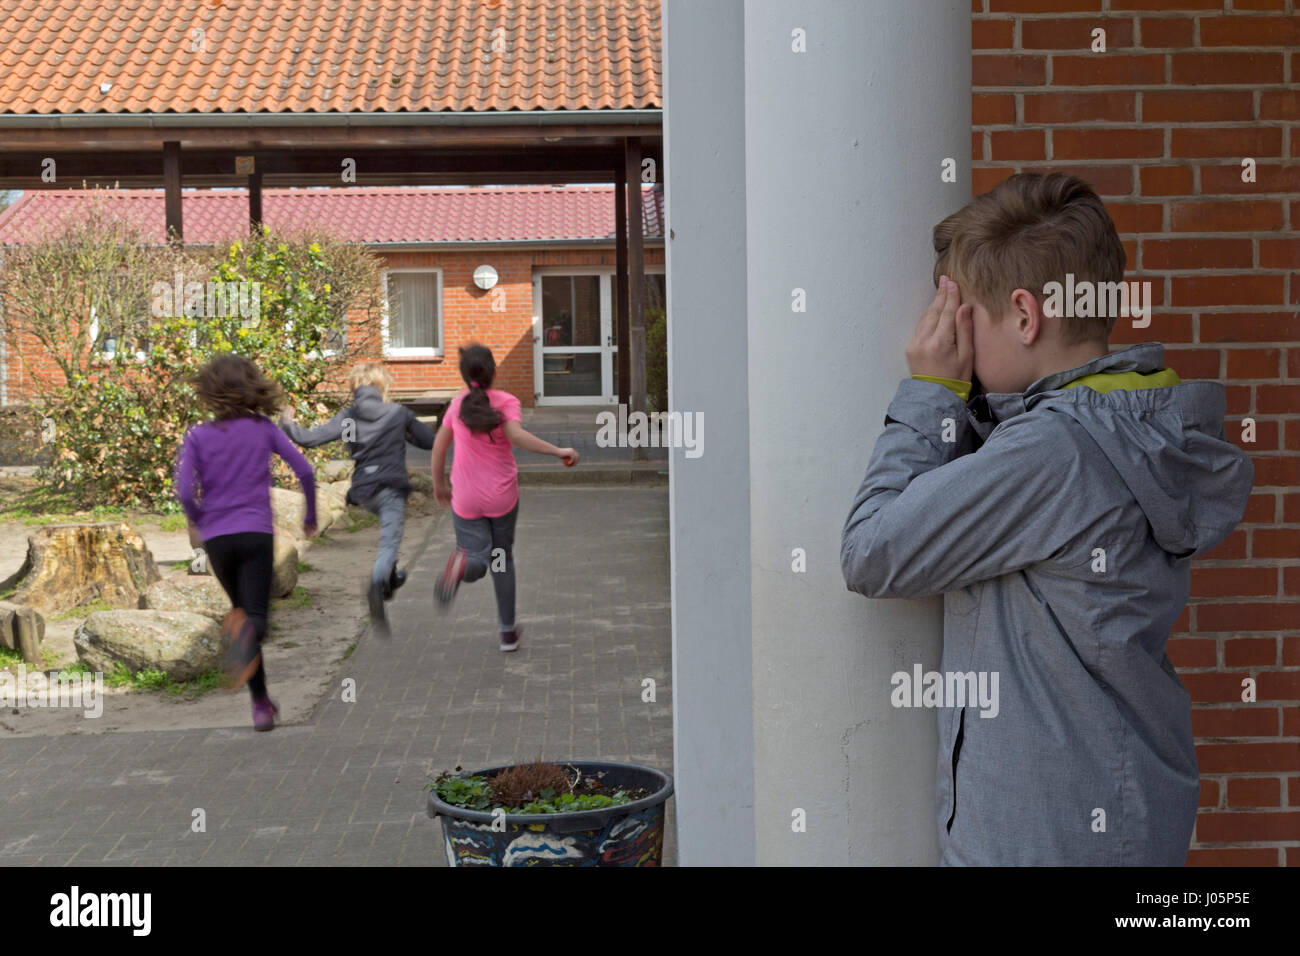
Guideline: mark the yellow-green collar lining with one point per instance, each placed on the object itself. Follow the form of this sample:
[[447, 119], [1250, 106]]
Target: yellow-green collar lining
[[1111, 381]]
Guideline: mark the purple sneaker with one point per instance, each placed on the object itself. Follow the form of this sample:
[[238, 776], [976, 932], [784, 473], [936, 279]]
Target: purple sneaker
[[264, 714], [510, 639]]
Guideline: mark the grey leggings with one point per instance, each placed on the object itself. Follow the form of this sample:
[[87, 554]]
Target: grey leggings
[[390, 505], [489, 544]]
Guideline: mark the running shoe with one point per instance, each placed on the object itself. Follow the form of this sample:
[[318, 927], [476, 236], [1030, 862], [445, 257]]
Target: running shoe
[[451, 577], [242, 655], [264, 713], [378, 616], [510, 639], [395, 581]]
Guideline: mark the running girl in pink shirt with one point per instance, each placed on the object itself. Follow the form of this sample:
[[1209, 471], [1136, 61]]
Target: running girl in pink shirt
[[483, 494]]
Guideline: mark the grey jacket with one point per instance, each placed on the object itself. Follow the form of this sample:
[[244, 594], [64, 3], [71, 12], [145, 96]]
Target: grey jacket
[[377, 433], [1059, 525]]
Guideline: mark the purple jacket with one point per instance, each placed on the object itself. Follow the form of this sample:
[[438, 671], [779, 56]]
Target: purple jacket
[[223, 475]]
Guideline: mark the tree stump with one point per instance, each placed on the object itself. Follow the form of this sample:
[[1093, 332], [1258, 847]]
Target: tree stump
[[22, 629], [71, 565]]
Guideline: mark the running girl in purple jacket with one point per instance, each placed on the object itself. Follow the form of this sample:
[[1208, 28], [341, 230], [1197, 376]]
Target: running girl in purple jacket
[[223, 480]]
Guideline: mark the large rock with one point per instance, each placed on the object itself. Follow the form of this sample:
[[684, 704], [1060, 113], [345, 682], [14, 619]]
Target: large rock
[[22, 629], [195, 595], [288, 508], [180, 644], [340, 469], [421, 480], [70, 565], [284, 577]]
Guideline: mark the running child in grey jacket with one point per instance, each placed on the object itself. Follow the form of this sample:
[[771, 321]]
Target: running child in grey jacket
[[1058, 514], [375, 433]]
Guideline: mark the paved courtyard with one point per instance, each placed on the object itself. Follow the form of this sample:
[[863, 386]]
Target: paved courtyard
[[345, 787]]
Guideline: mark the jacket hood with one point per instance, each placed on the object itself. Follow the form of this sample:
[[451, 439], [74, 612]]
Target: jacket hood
[[369, 403], [1164, 437]]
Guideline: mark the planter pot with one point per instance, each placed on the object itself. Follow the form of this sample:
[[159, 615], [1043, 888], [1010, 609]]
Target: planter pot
[[631, 834]]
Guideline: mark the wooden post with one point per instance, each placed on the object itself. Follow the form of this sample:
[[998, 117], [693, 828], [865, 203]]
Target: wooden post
[[636, 285], [620, 282], [255, 201], [172, 191]]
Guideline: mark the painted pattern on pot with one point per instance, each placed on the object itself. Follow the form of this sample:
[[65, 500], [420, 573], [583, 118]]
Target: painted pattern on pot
[[632, 840]]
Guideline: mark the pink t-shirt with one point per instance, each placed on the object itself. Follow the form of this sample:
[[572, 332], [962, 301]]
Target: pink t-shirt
[[484, 477]]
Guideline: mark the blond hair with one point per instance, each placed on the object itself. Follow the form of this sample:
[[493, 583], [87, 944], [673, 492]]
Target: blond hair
[[1027, 231], [370, 373]]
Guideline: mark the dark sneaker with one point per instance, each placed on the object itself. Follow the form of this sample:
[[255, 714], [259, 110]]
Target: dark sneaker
[[378, 616], [451, 577], [243, 655], [510, 639], [395, 581], [264, 714]]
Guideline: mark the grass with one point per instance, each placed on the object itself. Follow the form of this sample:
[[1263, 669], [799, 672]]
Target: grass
[[303, 567], [82, 610], [348, 653], [300, 597], [155, 680], [359, 518], [10, 658], [173, 522]]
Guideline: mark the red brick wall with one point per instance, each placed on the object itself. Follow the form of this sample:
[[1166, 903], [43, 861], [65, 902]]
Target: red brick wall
[[467, 316], [1159, 124]]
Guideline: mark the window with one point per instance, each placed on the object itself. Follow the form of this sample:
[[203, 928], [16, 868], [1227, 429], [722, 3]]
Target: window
[[413, 312]]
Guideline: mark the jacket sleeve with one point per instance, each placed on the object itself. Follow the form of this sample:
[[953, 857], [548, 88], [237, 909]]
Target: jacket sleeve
[[332, 430], [418, 433], [302, 468], [929, 519], [185, 478]]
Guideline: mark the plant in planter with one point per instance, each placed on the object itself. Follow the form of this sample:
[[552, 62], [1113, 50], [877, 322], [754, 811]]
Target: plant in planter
[[547, 814]]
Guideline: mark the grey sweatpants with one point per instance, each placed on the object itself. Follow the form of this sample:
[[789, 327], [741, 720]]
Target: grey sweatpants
[[390, 505], [489, 544]]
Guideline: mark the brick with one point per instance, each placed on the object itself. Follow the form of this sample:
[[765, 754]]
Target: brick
[[1234, 582], [1291, 586], [1251, 651], [1291, 508], [1065, 108], [1279, 253], [1191, 291], [1276, 471], [1214, 688], [1209, 793], [1001, 70], [1166, 32], [1251, 616], [991, 109], [982, 180], [1097, 69], [1278, 400], [1136, 217], [1166, 180], [1197, 254], [1279, 685], [1231, 856], [1043, 6], [1226, 69], [1194, 363], [1260, 508], [1247, 827], [1255, 142], [1193, 652], [1269, 178], [1197, 106], [1253, 363], [1105, 180], [1250, 31], [1250, 327], [1075, 33], [1255, 792], [1020, 144], [1223, 216], [1246, 720], [992, 34], [1156, 5], [1168, 327], [1248, 758]]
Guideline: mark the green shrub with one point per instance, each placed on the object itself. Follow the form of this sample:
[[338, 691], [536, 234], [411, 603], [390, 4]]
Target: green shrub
[[656, 360]]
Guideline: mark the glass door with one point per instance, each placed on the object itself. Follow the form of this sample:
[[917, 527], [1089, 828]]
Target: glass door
[[574, 338]]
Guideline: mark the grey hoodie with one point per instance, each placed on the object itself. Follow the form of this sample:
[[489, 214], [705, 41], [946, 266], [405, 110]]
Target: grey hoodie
[[1059, 525], [378, 432]]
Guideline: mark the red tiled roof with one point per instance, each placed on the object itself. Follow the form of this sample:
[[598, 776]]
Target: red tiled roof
[[407, 214], [309, 56]]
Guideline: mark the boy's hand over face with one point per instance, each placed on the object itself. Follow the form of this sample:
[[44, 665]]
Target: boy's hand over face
[[943, 345]]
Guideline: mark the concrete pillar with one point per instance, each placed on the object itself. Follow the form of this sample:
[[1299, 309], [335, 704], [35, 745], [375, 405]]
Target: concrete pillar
[[848, 112]]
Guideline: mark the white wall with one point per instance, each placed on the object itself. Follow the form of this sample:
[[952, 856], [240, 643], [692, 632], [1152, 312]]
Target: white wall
[[840, 164]]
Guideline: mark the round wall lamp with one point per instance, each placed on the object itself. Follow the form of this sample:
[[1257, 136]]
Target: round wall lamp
[[485, 277]]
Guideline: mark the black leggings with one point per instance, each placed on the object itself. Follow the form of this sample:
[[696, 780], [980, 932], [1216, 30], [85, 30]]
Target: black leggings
[[243, 563]]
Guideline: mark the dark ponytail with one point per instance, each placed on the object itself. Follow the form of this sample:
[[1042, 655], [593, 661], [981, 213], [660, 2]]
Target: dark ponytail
[[478, 368]]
